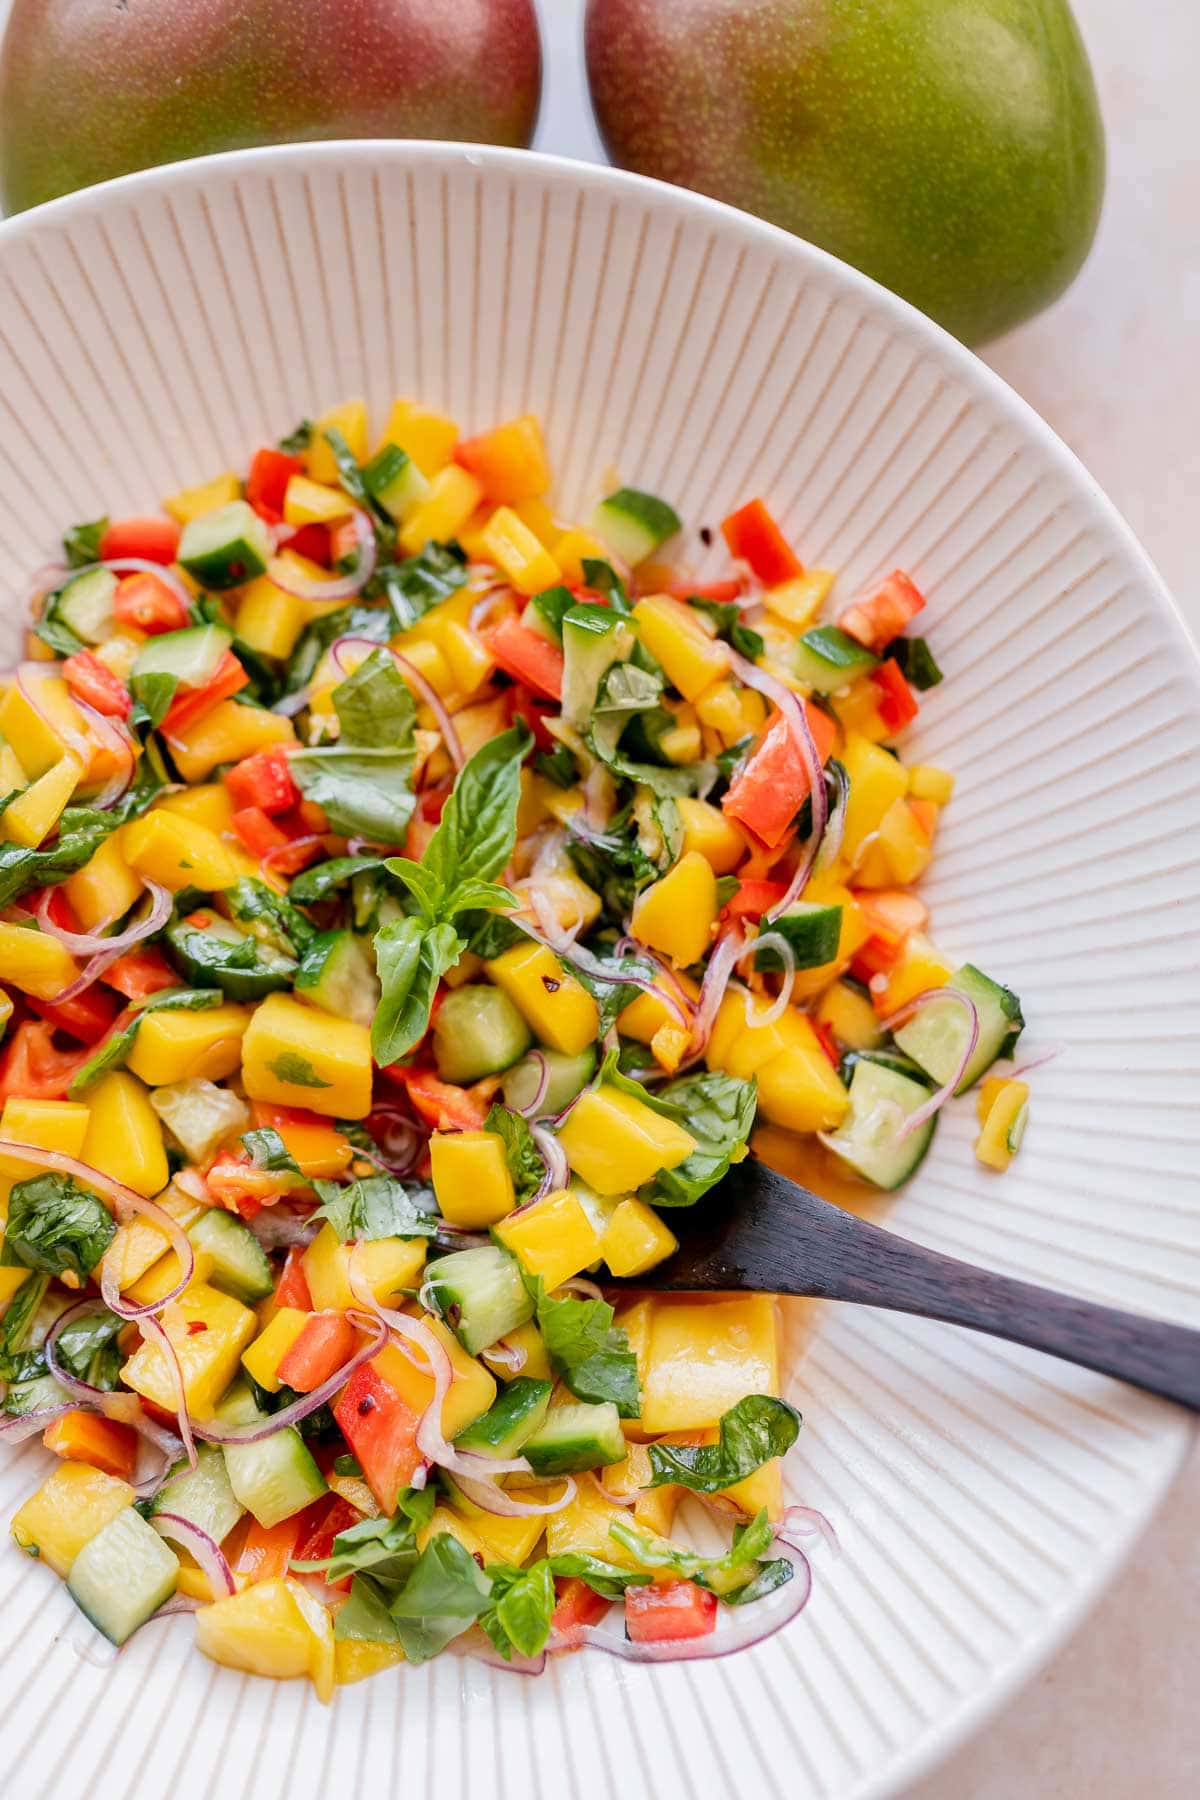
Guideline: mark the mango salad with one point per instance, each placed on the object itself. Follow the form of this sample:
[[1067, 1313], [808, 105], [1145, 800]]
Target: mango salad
[[410, 901]]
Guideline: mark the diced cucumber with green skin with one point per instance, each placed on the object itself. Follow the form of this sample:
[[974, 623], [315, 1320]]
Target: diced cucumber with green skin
[[191, 656], [123, 1575], [828, 659], [35, 1395], [85, 606], [565, 1075], [240, 1265], [515, 1416], [226, 547], [937, 1035], [275, 1477], [337, 973], [811, 930], [478, 1031], [576, 1437], [219, 955], [480, 1294], [546, 611], [394, 482], [593, 639], [868, 1138], [202, 1495], [634, 524]]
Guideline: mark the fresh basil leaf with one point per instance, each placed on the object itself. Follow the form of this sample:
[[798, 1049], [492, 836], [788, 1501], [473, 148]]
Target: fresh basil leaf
[[386, 1548], [602, 578], [296, 1070], [524, 1159], [410, 958], [522, 1608], [375, 706], [728, 1575], [587, 1350], [87, 1348], [755, 1431], [267, 1150], [56, 1225], [445, 1594], [478, 827], [747, 642], [377, 1206], [489, 934], [916, 661], [155, 693], [81, 543], [365, 1616], [270, 917], [557, 765], [356, 619], [727, 617], [351, 478], [613, 863], [299, 439], [18, 1357], [419, 583], [56, 633], [605, 1578], [323, 880], [718, 1111], [363, 792]]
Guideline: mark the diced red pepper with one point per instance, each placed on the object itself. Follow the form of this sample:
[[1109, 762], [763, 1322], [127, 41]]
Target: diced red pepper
[[344, 545], [753, 899], [32, 1069], [381, 1429], [667, 1611], [325, 1344], [874, 622], [90, 681], [239, 1187], [441, 1104], [187, 709], [292, 1287], [312, 541], [105, 1444], [826, 1040], [321, 1522], [148, 604], [527, 656], [773, 783], [153, 540], [576, 1605], [87, 1017], [754, 537], [723, 592], [140, 973], [897, 704], [891, 915], [432, 803], [264, 780], [535, 711], [266, 483], [267, 1551], [266, 840]]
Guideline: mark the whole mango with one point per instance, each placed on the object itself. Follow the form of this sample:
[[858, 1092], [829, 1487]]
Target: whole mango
[[94, 88], [953, 149]]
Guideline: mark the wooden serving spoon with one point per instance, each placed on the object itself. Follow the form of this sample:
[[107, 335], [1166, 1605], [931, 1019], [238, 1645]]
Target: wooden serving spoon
[[758, 1231]]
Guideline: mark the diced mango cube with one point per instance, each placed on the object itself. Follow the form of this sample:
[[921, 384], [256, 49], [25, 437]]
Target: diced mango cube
[[193, 503], [309, 502], [356, 1659], [124, 1136], [571, 549], [1007, 1104], [299, 1056], [73, 1504], [508, 542], [798, 601], [266, 1630], [471, 1177], [672, 632], [208, 1358], [876, 781], [554, 1237], [510, 460], [165, 1276], [45, 733], [178, 1046], [428, 437], [177, 852], [647, 1014], [139, 1245], [705, 1356], [455, 1526], [50, 1124], [850, 1017], [452, 498], [227, 734], [34, 961], [636, 1238], [616, 1142], [800, 1088], [390, 1267], [927, 783], [105, 888], [560, 1012], [582, 1527], [472, 1388], [676, 913], [32, 816], [708, 833], [270, 619], [262, 1358], [351, 420]]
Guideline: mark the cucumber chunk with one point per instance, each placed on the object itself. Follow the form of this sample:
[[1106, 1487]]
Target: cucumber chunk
[[937, 1036], [275, 1477], [123, 1575], [516, 1415], [593, 638], [881, 1098], [85, 605], [829, 659], [812, 931], [219, 955], [394, 482], [546, 611], [337, 973], [240, 1265], [226, 547], [478, 1031], [202, 1495], [480, 1294], [576, 1437], [191, 656], [633, 523], [566, 1076]]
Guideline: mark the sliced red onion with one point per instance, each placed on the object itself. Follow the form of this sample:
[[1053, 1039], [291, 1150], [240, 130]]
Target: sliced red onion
[[423, 1297], [835, 829], [577, 1284], [192, 1182], [102, 951], [497, 1500], [1037, 1062], [615, 1499], [414, 677], [279, 1228], [43, 581], [512, 1357], [792, 708], [204, 1550], [111, 733], [770, 940], [488, 602], [401, 1143], [26, 1425], [308, 1403], [721, 963], [558, 1171], [805, 1521], [531, 1111], [476, 1646], [291, 704], [937, 1100], [333, 587]]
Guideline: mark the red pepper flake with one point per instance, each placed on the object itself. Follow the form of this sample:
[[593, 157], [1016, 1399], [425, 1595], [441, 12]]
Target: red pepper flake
[[366, 1405], [550, 984], [195, 1325]]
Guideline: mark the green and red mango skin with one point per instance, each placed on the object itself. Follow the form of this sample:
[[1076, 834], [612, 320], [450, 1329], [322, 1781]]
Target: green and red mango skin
[[95, 88], [953, 149]]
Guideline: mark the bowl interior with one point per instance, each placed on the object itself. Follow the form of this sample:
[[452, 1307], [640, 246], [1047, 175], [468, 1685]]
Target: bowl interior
[[151, 334]]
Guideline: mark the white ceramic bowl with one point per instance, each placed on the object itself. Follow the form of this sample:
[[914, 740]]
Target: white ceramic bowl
[[154, 331]]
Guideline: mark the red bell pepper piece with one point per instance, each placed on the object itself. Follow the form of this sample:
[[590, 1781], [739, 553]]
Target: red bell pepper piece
[[576, 1605], [892, 915], [32, 1069], [666, 1611], [312, 541], [874, 622], [148, 604], [153, 540], [87, 1017], [754, 537], [140, 973], [188, 708], [441, 1104], [535, 711], [897, 704], [327, 1341], [90, 681], [268, 1550], [381, 1429], [266, 839], [723, 592], [321, 1522], [753, 899], [266, 483], [292, 1287], [773, 783], [527, 656], [826, 1040]]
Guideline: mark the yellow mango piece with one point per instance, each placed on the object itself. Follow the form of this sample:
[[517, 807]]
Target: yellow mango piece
[[308, 502], [428, 437], [654, 1508], [180, 1046], [208, 1359], [356, 1660], [904, 845], [920, 966], [647, 1015], [676, 914], [322, 1656], [508, 542], [732, 712], [708, 833], [73, 1504], [876, 780], [850, 1017], [389, 1266], [857, 708], [262, 1358], [351, 420], [139, 1245], [541, 521], [798, 601], [452, 498], [528, 1340], [927, 783], [471, 663], [682, 744], [635, 1238], [800, 1088], [177, 852], [34, 962], [501, 1539], [320, 1151], [672, 631], [227, 734], [1004, 1124], [443, 1520], [297, 1055], [45, 733], [559, 1012], [429, 660], [264, 1630], [615, 1142], [124, 1135], [50, 1124], [165, 1275], [705, 1356], [105, 888], [471, 1178], [32, 816], [570, 549], [472, 1388], [193, 503], [554, 1237], [270, 619], [209, 805], [635, 1321], [582, 1527], [12, 773]]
